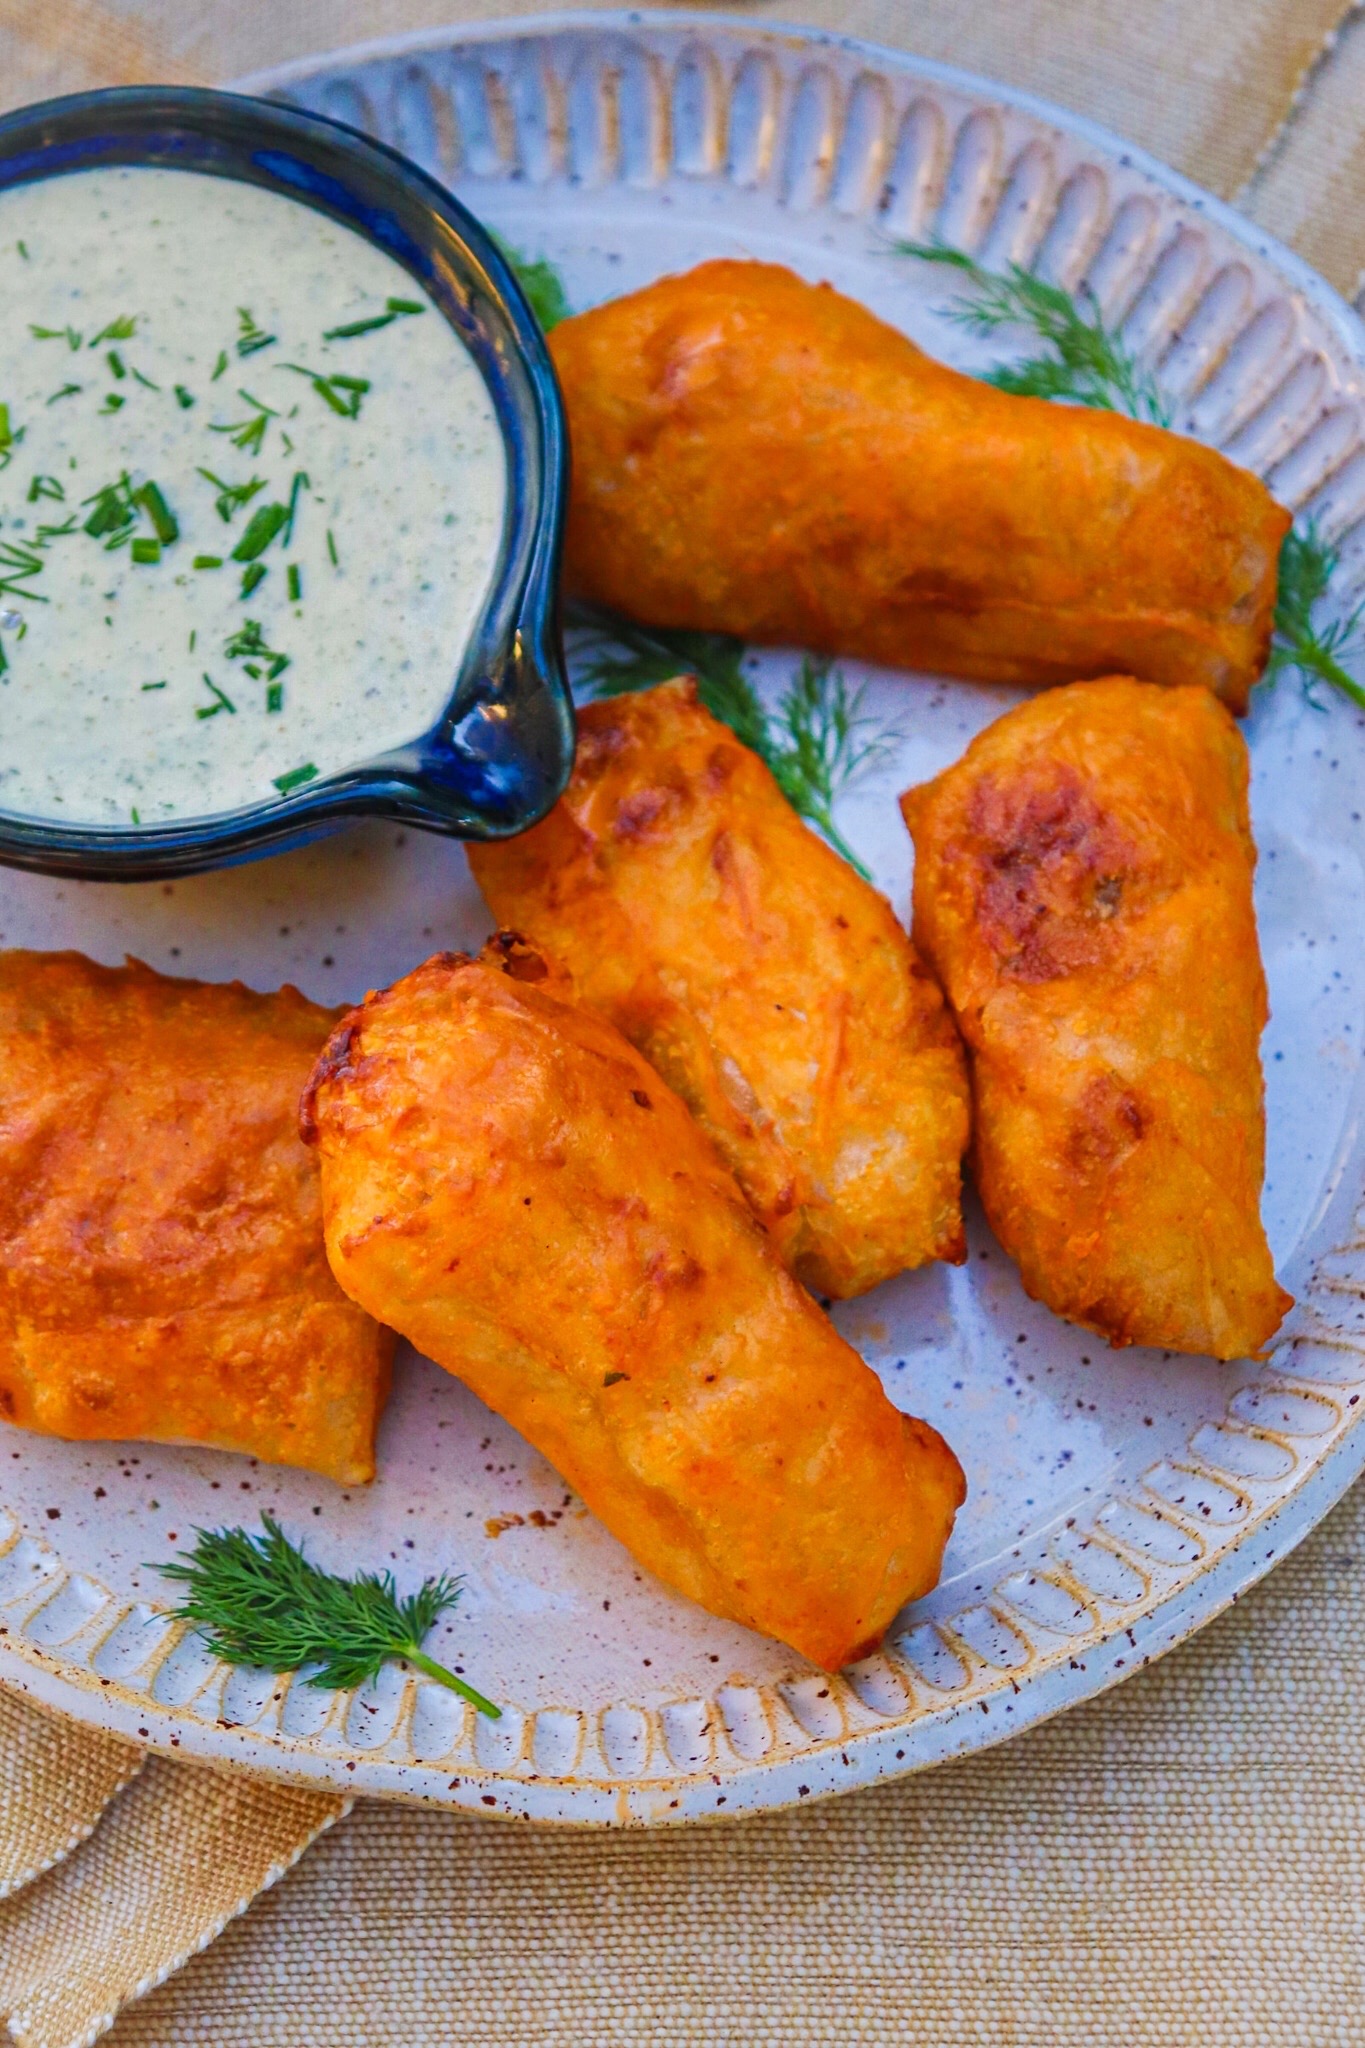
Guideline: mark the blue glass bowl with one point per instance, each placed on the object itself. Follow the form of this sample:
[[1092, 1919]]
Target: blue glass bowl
[[501, 751]]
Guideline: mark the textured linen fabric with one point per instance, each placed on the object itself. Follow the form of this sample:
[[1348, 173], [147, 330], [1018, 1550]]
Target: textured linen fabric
[[1310, 189], [177, 1856], [1180, 1864], [1179, 1861], [1205, 86], [55, 1781]]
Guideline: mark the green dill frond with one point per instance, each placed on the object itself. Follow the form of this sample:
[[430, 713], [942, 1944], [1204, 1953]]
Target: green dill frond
[[1307, 566], [542, 284], [819, 742], [615, 656], [1087, 362], [257, 1600], [815, 743]]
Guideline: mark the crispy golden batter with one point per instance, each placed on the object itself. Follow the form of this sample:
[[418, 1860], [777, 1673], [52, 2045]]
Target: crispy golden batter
[[762, 456], [162, 1270], [766, 981], [1083, 887], [510, 1184]]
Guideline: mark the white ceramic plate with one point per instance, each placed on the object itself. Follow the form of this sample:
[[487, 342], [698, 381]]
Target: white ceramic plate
[[1117, 1500]]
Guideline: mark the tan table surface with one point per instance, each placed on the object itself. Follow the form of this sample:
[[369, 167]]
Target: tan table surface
[[1179, 1862]]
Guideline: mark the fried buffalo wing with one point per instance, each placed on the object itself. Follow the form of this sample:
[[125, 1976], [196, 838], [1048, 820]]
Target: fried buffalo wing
[[761, 456], [769, 984], [507, 1182], [162, 1269], [1083, 888]]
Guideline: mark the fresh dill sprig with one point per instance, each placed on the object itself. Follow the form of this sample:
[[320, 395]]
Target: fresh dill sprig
[[1307, 565], [818, 739], [1085, 362], [826, 741], [542, 284], [258, 1600], [616, 656]]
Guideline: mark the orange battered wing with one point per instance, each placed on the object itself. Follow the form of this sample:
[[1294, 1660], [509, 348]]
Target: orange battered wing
[[768, 983], [162, 1270], [508, 1183], [762, 456], [1083, 887]]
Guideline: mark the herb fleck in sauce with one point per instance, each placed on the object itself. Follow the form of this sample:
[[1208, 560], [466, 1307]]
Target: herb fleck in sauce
[[226, 423]]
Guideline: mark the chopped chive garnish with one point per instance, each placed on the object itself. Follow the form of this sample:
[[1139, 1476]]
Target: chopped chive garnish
[[122, 329], [146, 551], [154, 686], [117, 366], [251, 336], [134, 815], [262, 527], [193, 637], [43, 486], [219, 366], [295, 779], [300, 483], [113, 403], [342, 394], [295, 583], [4, 661], [395, 309], [274, 697], [146, 382], [183, 398], [66, 334], [114, 509], [22, 247], [252, 578], [332, 549], [44, 534], [207, 562], [250, 433], [164, 523], [248, 644], [67, 391], [222, 702], [17, 564], [6, 431], [231, 497]]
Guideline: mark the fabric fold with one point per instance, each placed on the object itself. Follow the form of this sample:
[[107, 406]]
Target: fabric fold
[[181, 1852], [56, 1779]]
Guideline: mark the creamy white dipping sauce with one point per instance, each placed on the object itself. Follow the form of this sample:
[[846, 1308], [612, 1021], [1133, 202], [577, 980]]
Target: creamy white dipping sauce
[[159, 324]]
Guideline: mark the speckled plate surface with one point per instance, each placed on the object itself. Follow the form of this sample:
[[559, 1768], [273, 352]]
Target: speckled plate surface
[[1118, 1500]]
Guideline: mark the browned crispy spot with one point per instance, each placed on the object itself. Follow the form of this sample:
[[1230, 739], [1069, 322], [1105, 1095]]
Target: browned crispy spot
[[638, 814], [1109, 1121], [516, 957], [668, 1269], [333, 1064], [1053, 871]]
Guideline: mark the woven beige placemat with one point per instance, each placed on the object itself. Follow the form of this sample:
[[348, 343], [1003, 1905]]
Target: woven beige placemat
[[1179, 1862], [173, 1859], [1178, 1865]]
